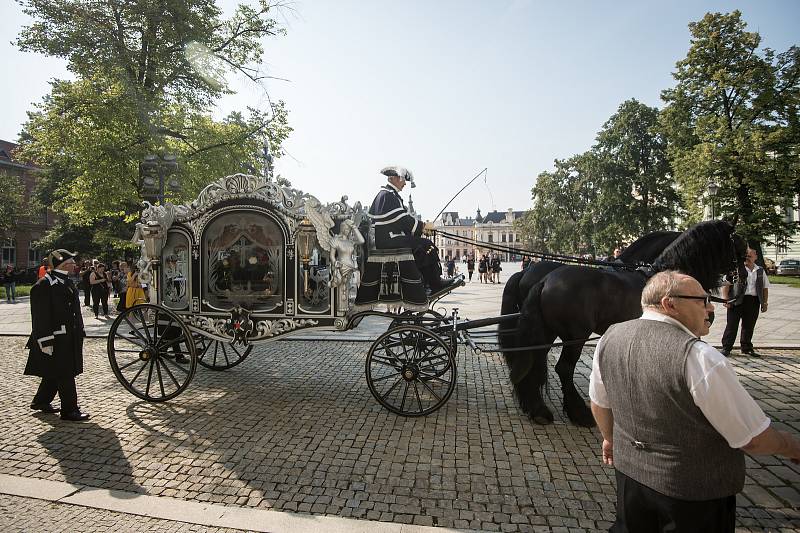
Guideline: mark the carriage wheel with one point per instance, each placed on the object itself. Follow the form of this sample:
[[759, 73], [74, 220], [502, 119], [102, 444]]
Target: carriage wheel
[[142, 346], [219, 355], [411, 371]]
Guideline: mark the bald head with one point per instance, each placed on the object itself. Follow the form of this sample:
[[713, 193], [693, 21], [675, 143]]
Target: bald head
[[662, 284], [681, 297]]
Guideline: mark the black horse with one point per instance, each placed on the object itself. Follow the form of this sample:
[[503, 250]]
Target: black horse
[[572, 302], [644, 250]]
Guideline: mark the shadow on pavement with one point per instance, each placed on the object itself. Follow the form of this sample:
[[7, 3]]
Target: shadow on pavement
[[86, 452]]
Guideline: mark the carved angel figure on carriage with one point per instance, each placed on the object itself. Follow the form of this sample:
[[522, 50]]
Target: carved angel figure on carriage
[[341, 246]]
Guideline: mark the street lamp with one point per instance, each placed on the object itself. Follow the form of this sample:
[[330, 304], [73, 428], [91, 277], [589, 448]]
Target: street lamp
[[155, 174], [713, 189]]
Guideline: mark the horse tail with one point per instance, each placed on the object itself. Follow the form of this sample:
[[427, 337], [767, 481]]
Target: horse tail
[[528, 368]]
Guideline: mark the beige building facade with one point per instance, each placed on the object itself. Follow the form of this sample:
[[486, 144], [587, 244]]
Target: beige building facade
[[496, 227]]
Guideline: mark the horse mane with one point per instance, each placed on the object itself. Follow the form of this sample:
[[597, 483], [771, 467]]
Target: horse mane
[[647, 248], [704, 251]]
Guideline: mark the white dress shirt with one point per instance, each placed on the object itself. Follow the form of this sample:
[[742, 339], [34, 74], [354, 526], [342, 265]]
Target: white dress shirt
[[713, 385], [751, 281]]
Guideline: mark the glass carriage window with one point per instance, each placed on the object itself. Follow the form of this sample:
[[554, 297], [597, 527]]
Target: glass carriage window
[[243, 262], [313, 275], [175, 271]]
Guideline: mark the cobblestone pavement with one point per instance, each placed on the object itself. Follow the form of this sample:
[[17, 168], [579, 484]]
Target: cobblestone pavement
[[294, 428], [23, 515]]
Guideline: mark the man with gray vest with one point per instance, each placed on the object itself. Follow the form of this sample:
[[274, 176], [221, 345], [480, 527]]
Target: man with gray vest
[[750, 295], [674, 418]]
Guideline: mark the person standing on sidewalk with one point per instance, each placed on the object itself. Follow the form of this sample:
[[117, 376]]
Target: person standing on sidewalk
[[10, 284], [471, 266], [56, 339], [99, 281], [750, 296], [674, 418], [86, 272]]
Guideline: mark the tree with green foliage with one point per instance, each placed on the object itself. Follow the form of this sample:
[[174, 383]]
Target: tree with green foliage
[[147, 74], [615, 192], [732, 117], [13, 207], [561, 219], [632, 174]]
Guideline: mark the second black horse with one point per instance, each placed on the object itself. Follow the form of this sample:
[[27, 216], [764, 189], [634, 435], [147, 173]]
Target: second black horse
[[573, 302]]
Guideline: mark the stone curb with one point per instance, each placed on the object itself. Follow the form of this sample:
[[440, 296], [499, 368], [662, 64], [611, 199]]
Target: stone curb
[[205, 514]]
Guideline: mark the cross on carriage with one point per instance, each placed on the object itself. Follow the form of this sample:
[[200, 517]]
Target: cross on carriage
[[249, 262]]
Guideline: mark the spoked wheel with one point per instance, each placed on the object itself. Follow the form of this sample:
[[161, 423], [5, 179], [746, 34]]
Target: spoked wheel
[[218, 355], [411, 371], [143, 345]]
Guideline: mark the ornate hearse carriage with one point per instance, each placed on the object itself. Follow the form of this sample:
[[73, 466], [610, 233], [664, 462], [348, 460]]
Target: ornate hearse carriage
[[249, 261]]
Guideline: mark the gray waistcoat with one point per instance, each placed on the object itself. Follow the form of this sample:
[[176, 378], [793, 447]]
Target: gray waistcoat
[[739, 290], [661, 438]]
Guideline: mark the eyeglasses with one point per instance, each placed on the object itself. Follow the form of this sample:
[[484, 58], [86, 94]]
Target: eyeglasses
[[706, 299]]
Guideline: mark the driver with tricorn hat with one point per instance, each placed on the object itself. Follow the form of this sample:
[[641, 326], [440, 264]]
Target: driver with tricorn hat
[[395, 227]]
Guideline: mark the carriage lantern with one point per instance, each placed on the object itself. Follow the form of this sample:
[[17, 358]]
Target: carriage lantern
[[306, 236]]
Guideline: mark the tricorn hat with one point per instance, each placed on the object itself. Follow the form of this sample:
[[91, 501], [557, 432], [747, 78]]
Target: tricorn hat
[[59, 256], [400, 172]]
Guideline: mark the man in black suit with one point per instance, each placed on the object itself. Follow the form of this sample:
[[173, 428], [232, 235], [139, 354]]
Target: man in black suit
[[56, 340]]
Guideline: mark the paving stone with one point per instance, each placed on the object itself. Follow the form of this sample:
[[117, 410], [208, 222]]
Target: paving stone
[[294, 428]]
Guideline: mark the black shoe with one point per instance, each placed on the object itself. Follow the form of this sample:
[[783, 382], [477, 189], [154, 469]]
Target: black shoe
[[751, 353], [180, 358], [726, 352], [75, 416], [44, 407]]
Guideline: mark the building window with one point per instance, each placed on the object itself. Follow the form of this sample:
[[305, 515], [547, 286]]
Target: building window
[[9, 252], [34, 257], [491, 238], [503, 237]]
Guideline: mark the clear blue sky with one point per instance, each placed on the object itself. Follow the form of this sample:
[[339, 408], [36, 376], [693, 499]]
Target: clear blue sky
[[445, 87]]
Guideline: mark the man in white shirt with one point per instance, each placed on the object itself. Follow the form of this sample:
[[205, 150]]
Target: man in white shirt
[[750, 295], [679, 414]]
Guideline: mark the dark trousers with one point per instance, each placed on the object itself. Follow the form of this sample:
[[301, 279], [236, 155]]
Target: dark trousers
[[87, 294], [747, 312], [640, 509], [64, 386], [99, 295]]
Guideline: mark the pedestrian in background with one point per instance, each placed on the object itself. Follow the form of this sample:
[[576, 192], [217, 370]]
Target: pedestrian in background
[[483, 266], [86, 272], [100, 283], [123, 286], [56, 339], [115, 277], [451, 267], [471, 266], [495, 268], [749, 296], [135, 294], [10, 284], [526, 261], [42, 269]]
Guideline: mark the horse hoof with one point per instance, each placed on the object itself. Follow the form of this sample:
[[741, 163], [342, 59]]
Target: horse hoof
[[542, 416]]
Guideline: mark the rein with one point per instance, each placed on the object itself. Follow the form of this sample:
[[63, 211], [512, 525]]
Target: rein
[[556, 258]]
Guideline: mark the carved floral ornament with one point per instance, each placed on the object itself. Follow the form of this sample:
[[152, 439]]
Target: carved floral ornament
[[286, 201], [264, 329]]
